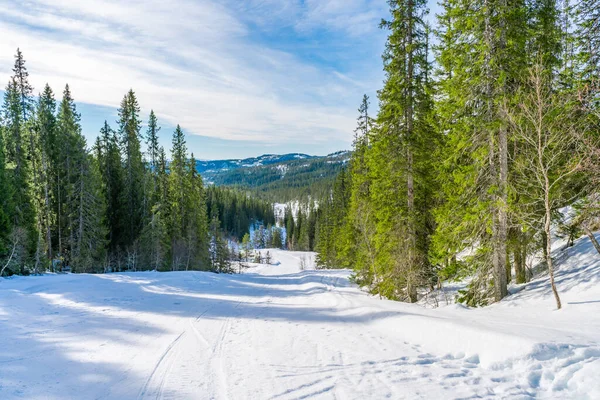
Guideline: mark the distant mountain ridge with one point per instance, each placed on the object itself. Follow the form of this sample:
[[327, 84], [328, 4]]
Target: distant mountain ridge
[[265, 159], [277, 177]]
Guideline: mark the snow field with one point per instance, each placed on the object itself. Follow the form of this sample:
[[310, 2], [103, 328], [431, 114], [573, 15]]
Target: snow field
[[278, 332]]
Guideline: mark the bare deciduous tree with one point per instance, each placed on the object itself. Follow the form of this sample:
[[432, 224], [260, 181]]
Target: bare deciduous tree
[[550, 127]]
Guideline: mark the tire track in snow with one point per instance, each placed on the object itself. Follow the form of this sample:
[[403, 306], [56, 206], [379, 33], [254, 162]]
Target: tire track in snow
[[165, 357], [215, 363]]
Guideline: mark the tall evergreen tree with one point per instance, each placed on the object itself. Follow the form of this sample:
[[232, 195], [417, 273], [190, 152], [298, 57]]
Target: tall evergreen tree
[[25, 90], [481, 56], [33, 153], [398, 158], [111, 172], [152, 140], [23, 214], [178, 190], [360, 233], [133, 170], [156, 233], [6, 201], [46, 132], [196, 223]]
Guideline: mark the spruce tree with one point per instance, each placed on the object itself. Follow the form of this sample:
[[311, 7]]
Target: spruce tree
[[111, 171], [219, 252], [290, 227], [360, 230], [481, 56], [196, 224], [6, 201], [152, 140], [178, 190], [91, 215], [153, 154], [133, 171], [398, 159], [24, 88], [69, 159], [23, 217], [46, 131]]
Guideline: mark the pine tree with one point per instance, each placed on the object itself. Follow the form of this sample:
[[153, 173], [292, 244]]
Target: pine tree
[[300, 231], [588, 32], [163, 181], [23, 214], [399, 153], [290, 227], [196, 224], [157, 243], [111, 171], [81, 207], [152, 140], [153, 156], [276, 238], [178, 190], [91, 222], [30, 135], [69, 158], [333, 242], [24, 88], [219, 252], [482, 56], [46, 131], [133, 171], [545, 35], [246, 246], [364, 123], [360, 230], [6, 202]]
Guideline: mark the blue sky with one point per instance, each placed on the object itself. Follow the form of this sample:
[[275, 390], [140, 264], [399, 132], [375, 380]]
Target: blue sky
[[242, 77]]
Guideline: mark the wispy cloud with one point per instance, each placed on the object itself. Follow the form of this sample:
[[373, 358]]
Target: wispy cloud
[[271, 71]]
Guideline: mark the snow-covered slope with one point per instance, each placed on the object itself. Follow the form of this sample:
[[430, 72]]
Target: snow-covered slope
[[279, 332], [266, 159], [283, 178]]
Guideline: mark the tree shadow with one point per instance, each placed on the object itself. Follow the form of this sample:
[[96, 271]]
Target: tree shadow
[[53, 328], [577, 266], [584, 302]]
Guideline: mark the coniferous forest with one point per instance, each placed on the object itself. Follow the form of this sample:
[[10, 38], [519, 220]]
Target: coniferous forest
[[108, 206], [488, 124], [438, 238]]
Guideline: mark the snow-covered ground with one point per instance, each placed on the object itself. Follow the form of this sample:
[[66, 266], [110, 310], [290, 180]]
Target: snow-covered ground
[[279, 332]]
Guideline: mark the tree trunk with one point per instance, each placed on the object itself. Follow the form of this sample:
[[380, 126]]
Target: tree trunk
[[508, 268], [498, 167], [39, 216], [520, 274], [58, 216], [593, 239], [12, 253], [412, 259], [80, 229], [503, 165], [502, 211], [548, 248], [47, 205], [70, 212]]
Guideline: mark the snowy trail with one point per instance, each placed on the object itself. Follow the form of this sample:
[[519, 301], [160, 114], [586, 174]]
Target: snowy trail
[[277, 332]]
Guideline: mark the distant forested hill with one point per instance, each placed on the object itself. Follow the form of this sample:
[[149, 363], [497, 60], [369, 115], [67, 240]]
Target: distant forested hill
[[277, 177]]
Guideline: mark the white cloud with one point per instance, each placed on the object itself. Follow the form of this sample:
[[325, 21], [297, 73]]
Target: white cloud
[[194, 62]]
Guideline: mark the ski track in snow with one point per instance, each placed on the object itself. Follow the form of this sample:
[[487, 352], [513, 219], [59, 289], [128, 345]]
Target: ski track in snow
[[277, 332]]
